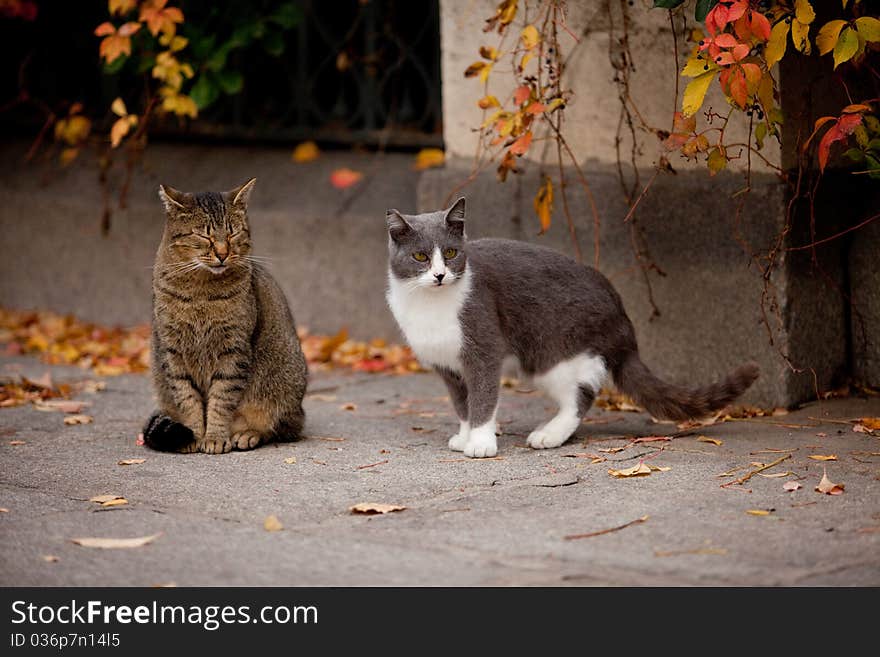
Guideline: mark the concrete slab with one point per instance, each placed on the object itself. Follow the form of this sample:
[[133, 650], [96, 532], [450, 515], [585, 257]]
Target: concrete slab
[[467, 522]]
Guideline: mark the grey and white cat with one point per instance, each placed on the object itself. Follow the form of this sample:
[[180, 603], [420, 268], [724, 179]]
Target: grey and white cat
[[466, 306]]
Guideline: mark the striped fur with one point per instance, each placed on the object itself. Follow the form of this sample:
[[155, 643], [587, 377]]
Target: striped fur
[[227, 364]]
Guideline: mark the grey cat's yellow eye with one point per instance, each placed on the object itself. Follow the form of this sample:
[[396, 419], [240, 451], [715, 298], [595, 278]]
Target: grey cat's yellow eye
[[449, 254], [421, 257]]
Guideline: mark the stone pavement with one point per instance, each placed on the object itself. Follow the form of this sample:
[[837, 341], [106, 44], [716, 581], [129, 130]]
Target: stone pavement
[[467, 522]]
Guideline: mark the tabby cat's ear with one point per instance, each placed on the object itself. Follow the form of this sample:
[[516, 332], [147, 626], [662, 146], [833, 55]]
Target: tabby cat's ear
[[240, 195], [397, 226], [173, 199], [455, 217]]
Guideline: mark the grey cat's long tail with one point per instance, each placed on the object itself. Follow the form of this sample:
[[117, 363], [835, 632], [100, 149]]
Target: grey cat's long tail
[[667, 401], [164, 434]]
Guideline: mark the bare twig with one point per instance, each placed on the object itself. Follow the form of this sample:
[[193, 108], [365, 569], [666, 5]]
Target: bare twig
[[752, 473], [574, 537]]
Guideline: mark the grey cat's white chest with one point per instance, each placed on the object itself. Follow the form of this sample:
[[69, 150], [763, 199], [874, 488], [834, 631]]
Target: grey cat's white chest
[[429, 319]]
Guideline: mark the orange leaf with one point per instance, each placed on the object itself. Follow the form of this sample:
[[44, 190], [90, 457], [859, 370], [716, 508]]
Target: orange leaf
[[345, 177], [521, 145], [521, 94], [536, 107], [488, 101], [429, 157], [159, 18], [544, 203]]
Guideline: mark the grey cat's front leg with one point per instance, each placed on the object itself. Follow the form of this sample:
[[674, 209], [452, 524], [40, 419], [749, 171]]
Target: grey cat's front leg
[[483, 381], [459, 395]]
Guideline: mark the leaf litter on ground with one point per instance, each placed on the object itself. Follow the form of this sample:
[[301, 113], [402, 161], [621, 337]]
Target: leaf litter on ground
[[116, 543]]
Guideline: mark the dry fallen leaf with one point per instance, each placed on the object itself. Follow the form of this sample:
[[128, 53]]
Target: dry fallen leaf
[[861, 428], [348, 407], [823, 457], [706, 439], [637, 470], [50, 558], [791, 486], [290, 460], [758, 512], [132, 461], [305, 152], [119, 501], [15, 443], [775, 475], [612, 450], [78, 419], [3, 509], [272, 524], [116, 543], [321, 398], [372, 508], [62, 405], [101, 499], [829, 487], [345, 177], [872, 423]]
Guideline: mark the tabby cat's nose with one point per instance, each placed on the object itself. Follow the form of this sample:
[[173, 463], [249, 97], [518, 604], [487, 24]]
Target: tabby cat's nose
[[221, 251]]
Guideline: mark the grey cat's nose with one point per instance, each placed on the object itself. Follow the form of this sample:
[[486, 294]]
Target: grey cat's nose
[[439, 277]]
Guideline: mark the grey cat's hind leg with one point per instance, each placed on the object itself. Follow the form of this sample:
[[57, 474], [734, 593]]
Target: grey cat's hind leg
[[459, 397], [572, 384]]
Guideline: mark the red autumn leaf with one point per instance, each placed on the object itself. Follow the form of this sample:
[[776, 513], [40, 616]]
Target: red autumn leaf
[[842, 128], [726, 40], [521, 145], [344, 178], [521, 94], [536, 108]]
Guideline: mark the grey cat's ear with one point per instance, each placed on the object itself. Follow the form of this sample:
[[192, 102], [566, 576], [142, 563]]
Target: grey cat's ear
[[173, 199], [397, 226], [455, 217], [240, 195]]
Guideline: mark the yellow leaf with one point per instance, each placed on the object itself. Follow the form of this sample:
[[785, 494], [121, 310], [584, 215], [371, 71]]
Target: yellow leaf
[[120, 128], [554, 104], [132, 461], [475, 69], [488, 52], [119, 501], [695, 93], [290, 460], [116, 543], [758, 512], [847, 46], [484, 74], [872, 423], [829, 487], [73, 130], [305, 152], [697, 66], [104, 499], [776, 45], [530, 36], [78, 419], [68, 155], [869, 28], [373, 508], [800, 36], [506, 11], [428, 158], [525, 60], [717, 160], [272, 524], [706, 439], [803, 12], [544, 203], [118, 107], [636, 471], [823, 457], [827, 36], [488, 101]]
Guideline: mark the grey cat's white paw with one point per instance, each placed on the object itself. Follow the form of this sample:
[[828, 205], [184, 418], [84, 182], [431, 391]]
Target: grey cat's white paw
[[482, 442], [458, 442], [543, 439]]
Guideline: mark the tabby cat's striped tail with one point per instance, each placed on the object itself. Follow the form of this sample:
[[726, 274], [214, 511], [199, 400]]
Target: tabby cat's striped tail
[[164, 434]]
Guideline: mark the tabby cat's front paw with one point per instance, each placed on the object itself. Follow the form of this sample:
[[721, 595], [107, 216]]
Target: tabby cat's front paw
[[214, 445], [246, 439]]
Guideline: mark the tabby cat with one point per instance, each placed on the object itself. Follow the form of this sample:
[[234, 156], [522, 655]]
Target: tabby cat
[[466, 306], [227, 364]]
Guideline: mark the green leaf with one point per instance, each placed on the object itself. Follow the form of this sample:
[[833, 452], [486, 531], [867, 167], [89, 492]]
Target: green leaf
[[775, 115], [703, 8], [217, 61], [874, 145], [146, 64], [861, 136], [116, 65], [273, 43], [287, 15], [244, 34], [667, 4], [847, 46], [873, 166], [202, 46], [760, 133], [204, 92], [872, 124], [855, 155], [716, 161], [231, 82]]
